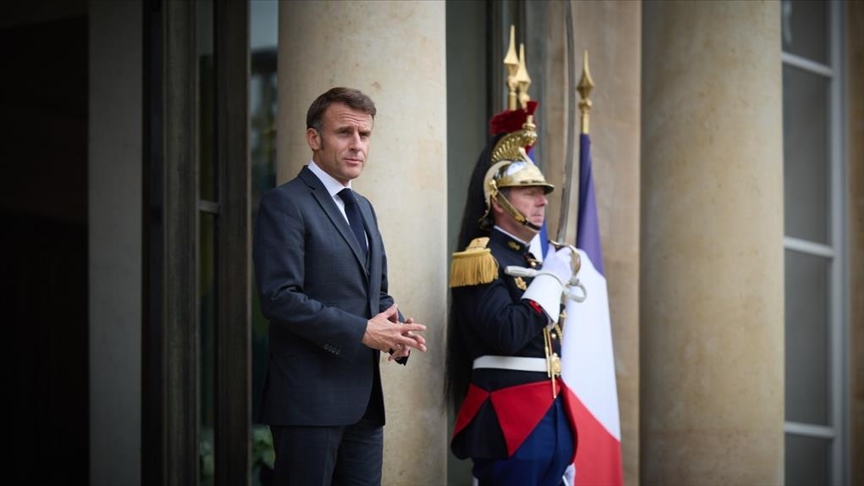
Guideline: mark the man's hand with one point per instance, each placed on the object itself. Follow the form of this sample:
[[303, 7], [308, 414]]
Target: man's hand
[[405, 351], [384, 332]]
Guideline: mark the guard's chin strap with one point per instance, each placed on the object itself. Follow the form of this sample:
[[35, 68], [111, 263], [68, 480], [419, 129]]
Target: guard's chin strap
[[532, 225], [519, 217]]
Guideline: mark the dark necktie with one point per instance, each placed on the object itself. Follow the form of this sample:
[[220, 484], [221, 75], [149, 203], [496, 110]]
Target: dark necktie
[[354, 219]]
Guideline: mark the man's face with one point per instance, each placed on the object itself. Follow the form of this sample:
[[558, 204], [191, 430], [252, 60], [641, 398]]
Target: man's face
[[343, 144], [531, 202]]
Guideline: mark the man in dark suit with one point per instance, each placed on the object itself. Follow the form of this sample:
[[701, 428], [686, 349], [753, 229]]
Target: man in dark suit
[[322, 275]]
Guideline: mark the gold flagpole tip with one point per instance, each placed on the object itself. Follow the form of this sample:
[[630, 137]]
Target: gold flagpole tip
[[511, 62], [585, 86], [523, 79]]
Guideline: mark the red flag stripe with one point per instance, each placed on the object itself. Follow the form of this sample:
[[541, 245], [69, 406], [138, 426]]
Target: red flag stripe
[[598, 462]]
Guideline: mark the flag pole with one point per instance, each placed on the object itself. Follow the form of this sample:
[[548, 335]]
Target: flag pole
[[511, 62], [584, 88], [586, 85]]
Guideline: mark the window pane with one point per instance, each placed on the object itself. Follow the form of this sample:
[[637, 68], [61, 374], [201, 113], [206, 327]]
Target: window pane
[[204, 29], [804, 29], [805, 155], [262, 110], [207, 332], [807, 338], [808, 460], [206, 105], [262, 148]]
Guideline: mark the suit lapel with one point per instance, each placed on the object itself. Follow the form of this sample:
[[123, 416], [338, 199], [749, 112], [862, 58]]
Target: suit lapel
[[319, 192]]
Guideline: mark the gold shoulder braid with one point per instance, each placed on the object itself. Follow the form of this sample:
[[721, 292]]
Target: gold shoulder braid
[[473, 266]]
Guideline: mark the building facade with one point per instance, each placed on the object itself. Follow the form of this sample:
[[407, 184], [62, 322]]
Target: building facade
[[728, 149]]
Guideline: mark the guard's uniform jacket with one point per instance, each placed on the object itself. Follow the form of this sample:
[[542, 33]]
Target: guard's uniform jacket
[[495, 320]]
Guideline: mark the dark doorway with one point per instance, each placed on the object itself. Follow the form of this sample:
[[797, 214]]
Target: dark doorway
[[44, 261]]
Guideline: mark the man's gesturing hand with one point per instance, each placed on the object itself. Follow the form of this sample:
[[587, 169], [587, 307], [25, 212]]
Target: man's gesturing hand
[[384, 334], [402, 353]]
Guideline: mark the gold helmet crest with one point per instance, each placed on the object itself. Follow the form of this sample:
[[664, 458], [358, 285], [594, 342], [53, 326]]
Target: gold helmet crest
[[511, 167]]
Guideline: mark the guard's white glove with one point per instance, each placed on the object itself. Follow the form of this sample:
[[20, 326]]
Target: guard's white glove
[[560, 264], [548, 286]]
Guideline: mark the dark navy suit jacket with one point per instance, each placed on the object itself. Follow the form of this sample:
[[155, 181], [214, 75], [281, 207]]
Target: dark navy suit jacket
[[318, 292]]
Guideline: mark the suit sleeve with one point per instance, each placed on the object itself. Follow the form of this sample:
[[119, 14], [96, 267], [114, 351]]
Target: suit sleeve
[[279, 257]]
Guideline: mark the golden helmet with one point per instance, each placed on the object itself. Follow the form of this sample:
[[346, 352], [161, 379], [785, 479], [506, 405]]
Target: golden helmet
[[520, 171]]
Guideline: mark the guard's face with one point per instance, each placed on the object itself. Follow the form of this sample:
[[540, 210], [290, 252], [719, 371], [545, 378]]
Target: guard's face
[[530, 201], [342, 147]]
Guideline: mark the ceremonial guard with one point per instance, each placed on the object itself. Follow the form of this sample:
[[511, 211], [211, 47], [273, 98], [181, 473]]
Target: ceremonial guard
[[504, 335]]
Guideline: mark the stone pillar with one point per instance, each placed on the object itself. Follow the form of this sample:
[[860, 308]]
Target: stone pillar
[[395, 53], [712, 311]]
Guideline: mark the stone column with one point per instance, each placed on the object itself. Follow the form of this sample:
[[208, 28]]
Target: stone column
[[395, 53], [712, 312]]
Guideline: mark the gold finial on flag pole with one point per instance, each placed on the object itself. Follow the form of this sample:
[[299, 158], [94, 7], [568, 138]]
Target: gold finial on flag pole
[[511, 61], [585, 86], [522, 78]]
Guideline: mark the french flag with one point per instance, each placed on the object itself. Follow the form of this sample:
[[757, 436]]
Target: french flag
[[587, 357]]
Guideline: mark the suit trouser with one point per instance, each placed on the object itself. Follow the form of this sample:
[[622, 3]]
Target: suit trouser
[[540, 461], [349, 455]]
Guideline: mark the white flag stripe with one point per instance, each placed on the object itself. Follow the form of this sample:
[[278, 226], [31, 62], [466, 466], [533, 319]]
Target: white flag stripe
[[536, 248], [588, 357]]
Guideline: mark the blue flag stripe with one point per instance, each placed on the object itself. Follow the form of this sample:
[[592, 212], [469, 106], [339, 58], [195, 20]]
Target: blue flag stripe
[[588, 236]]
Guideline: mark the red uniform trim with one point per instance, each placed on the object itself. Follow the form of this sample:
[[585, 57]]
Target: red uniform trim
[[519, 409], [473, 401], [535, 306]]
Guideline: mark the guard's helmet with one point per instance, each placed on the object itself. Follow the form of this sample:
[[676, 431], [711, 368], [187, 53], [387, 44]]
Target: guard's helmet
[[511, 167]]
